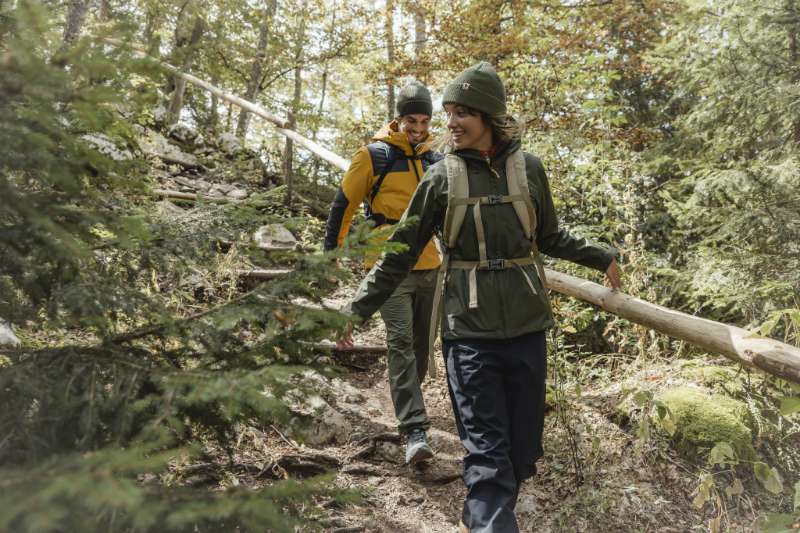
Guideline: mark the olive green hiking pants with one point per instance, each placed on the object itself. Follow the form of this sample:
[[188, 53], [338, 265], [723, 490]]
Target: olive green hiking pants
[[407, 315]]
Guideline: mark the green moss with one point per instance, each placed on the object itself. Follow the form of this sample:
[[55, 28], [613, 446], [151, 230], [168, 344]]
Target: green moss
[[710, 375], [702, 419]]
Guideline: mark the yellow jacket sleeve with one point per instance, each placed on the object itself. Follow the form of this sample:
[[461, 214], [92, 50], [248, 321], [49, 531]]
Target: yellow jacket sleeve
[[353, 190]]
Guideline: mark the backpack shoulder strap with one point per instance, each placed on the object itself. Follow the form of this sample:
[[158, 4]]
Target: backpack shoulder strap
[[392, 154], [518, 186], [457, 187]]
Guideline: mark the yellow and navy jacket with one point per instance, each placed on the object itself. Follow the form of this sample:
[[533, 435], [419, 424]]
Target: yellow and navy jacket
[[385, 191]]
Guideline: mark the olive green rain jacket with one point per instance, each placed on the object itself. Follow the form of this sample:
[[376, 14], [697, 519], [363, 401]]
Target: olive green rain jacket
[[508, 305]]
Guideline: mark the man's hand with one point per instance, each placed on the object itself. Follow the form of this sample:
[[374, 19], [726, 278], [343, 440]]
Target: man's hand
[[612, 276], [346, 340]]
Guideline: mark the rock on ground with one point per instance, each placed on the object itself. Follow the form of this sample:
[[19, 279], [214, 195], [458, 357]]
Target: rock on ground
[[7, 337], [274, 236]]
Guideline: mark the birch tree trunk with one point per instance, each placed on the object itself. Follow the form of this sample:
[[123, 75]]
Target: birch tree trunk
[[389, 21], [257, 69]]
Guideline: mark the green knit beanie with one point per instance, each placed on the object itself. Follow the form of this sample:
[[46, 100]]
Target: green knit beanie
[[414, 98], [478, 87]]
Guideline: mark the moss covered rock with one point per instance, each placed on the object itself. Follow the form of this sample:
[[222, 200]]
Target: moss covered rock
[[703, 419], [711, 375]]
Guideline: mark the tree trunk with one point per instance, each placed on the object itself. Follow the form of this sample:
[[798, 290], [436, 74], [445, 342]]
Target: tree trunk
[[288, 156], [186, 46], [76, 17], [105, 12], [153, 23], [420, 33], [315, 173], [321, 105], [213, 113], [257, 69], [389, 25], [793, 56]]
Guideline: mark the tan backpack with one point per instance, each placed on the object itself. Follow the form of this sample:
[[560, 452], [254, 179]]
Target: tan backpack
[[458, 200]]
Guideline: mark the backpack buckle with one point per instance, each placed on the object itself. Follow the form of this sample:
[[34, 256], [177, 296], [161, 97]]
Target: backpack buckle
[[496, 264], [494, 199]]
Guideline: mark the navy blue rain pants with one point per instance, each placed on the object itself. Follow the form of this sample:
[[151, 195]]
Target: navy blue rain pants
[[498, 392]]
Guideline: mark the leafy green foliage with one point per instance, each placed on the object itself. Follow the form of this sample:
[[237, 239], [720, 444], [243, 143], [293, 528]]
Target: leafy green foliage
[[147, 346]]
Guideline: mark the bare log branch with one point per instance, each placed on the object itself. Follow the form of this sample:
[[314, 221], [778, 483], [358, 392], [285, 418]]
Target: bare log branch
[[737, 344]]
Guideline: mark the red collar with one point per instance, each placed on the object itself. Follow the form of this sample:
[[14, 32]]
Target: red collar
[[488, 153]]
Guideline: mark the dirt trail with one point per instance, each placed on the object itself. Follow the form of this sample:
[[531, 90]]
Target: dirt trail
[[625, 487]]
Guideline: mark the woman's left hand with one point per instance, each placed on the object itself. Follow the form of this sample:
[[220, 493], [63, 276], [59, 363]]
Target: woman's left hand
[[613, 276]]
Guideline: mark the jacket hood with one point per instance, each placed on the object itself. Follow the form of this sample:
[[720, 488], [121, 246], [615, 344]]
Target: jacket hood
[[391, 134]]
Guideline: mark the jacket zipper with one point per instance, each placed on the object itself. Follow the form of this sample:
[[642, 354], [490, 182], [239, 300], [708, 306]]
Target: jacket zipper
[[491, 168], [414, 163]]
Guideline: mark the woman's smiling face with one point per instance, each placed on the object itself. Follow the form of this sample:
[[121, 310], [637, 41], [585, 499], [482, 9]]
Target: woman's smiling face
[[467, 128]]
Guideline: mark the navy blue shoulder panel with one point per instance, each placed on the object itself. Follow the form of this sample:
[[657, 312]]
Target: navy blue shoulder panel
[[380, 153], [429, 158]]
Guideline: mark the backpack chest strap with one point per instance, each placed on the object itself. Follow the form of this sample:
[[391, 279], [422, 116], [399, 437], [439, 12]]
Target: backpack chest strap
[[492, 199], [492, 264]]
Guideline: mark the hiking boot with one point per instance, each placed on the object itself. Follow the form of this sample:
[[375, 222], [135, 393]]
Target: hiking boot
[[417, 448]]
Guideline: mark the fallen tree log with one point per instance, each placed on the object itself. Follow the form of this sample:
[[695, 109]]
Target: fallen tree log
[[264, 273], [355, 349], [737, 344], [190, 197]]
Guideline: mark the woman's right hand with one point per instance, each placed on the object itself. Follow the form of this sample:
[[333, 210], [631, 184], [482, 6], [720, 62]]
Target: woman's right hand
[[346, 340], [612, 277]]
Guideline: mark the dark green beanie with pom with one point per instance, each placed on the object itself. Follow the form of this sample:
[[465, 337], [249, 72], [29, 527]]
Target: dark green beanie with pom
[[414, 98], [478, 87]]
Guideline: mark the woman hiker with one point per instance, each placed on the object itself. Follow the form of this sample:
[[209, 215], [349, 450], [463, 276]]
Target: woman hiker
[[492, 206], [384, 175]]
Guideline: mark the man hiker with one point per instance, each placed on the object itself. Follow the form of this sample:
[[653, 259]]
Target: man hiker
[[383, 175]]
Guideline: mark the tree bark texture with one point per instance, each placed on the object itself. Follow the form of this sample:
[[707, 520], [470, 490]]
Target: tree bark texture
[[288, 156], [76, 18], [420, 33], [389, 26], [188, 32], [257, 69]]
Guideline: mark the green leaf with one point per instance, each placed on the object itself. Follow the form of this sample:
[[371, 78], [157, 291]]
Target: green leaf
[[777, 523], [703, 492], [735, 488], [644, 429], [721, 454], [642, 397], [768, 477], [769, 324], [790, 406]]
